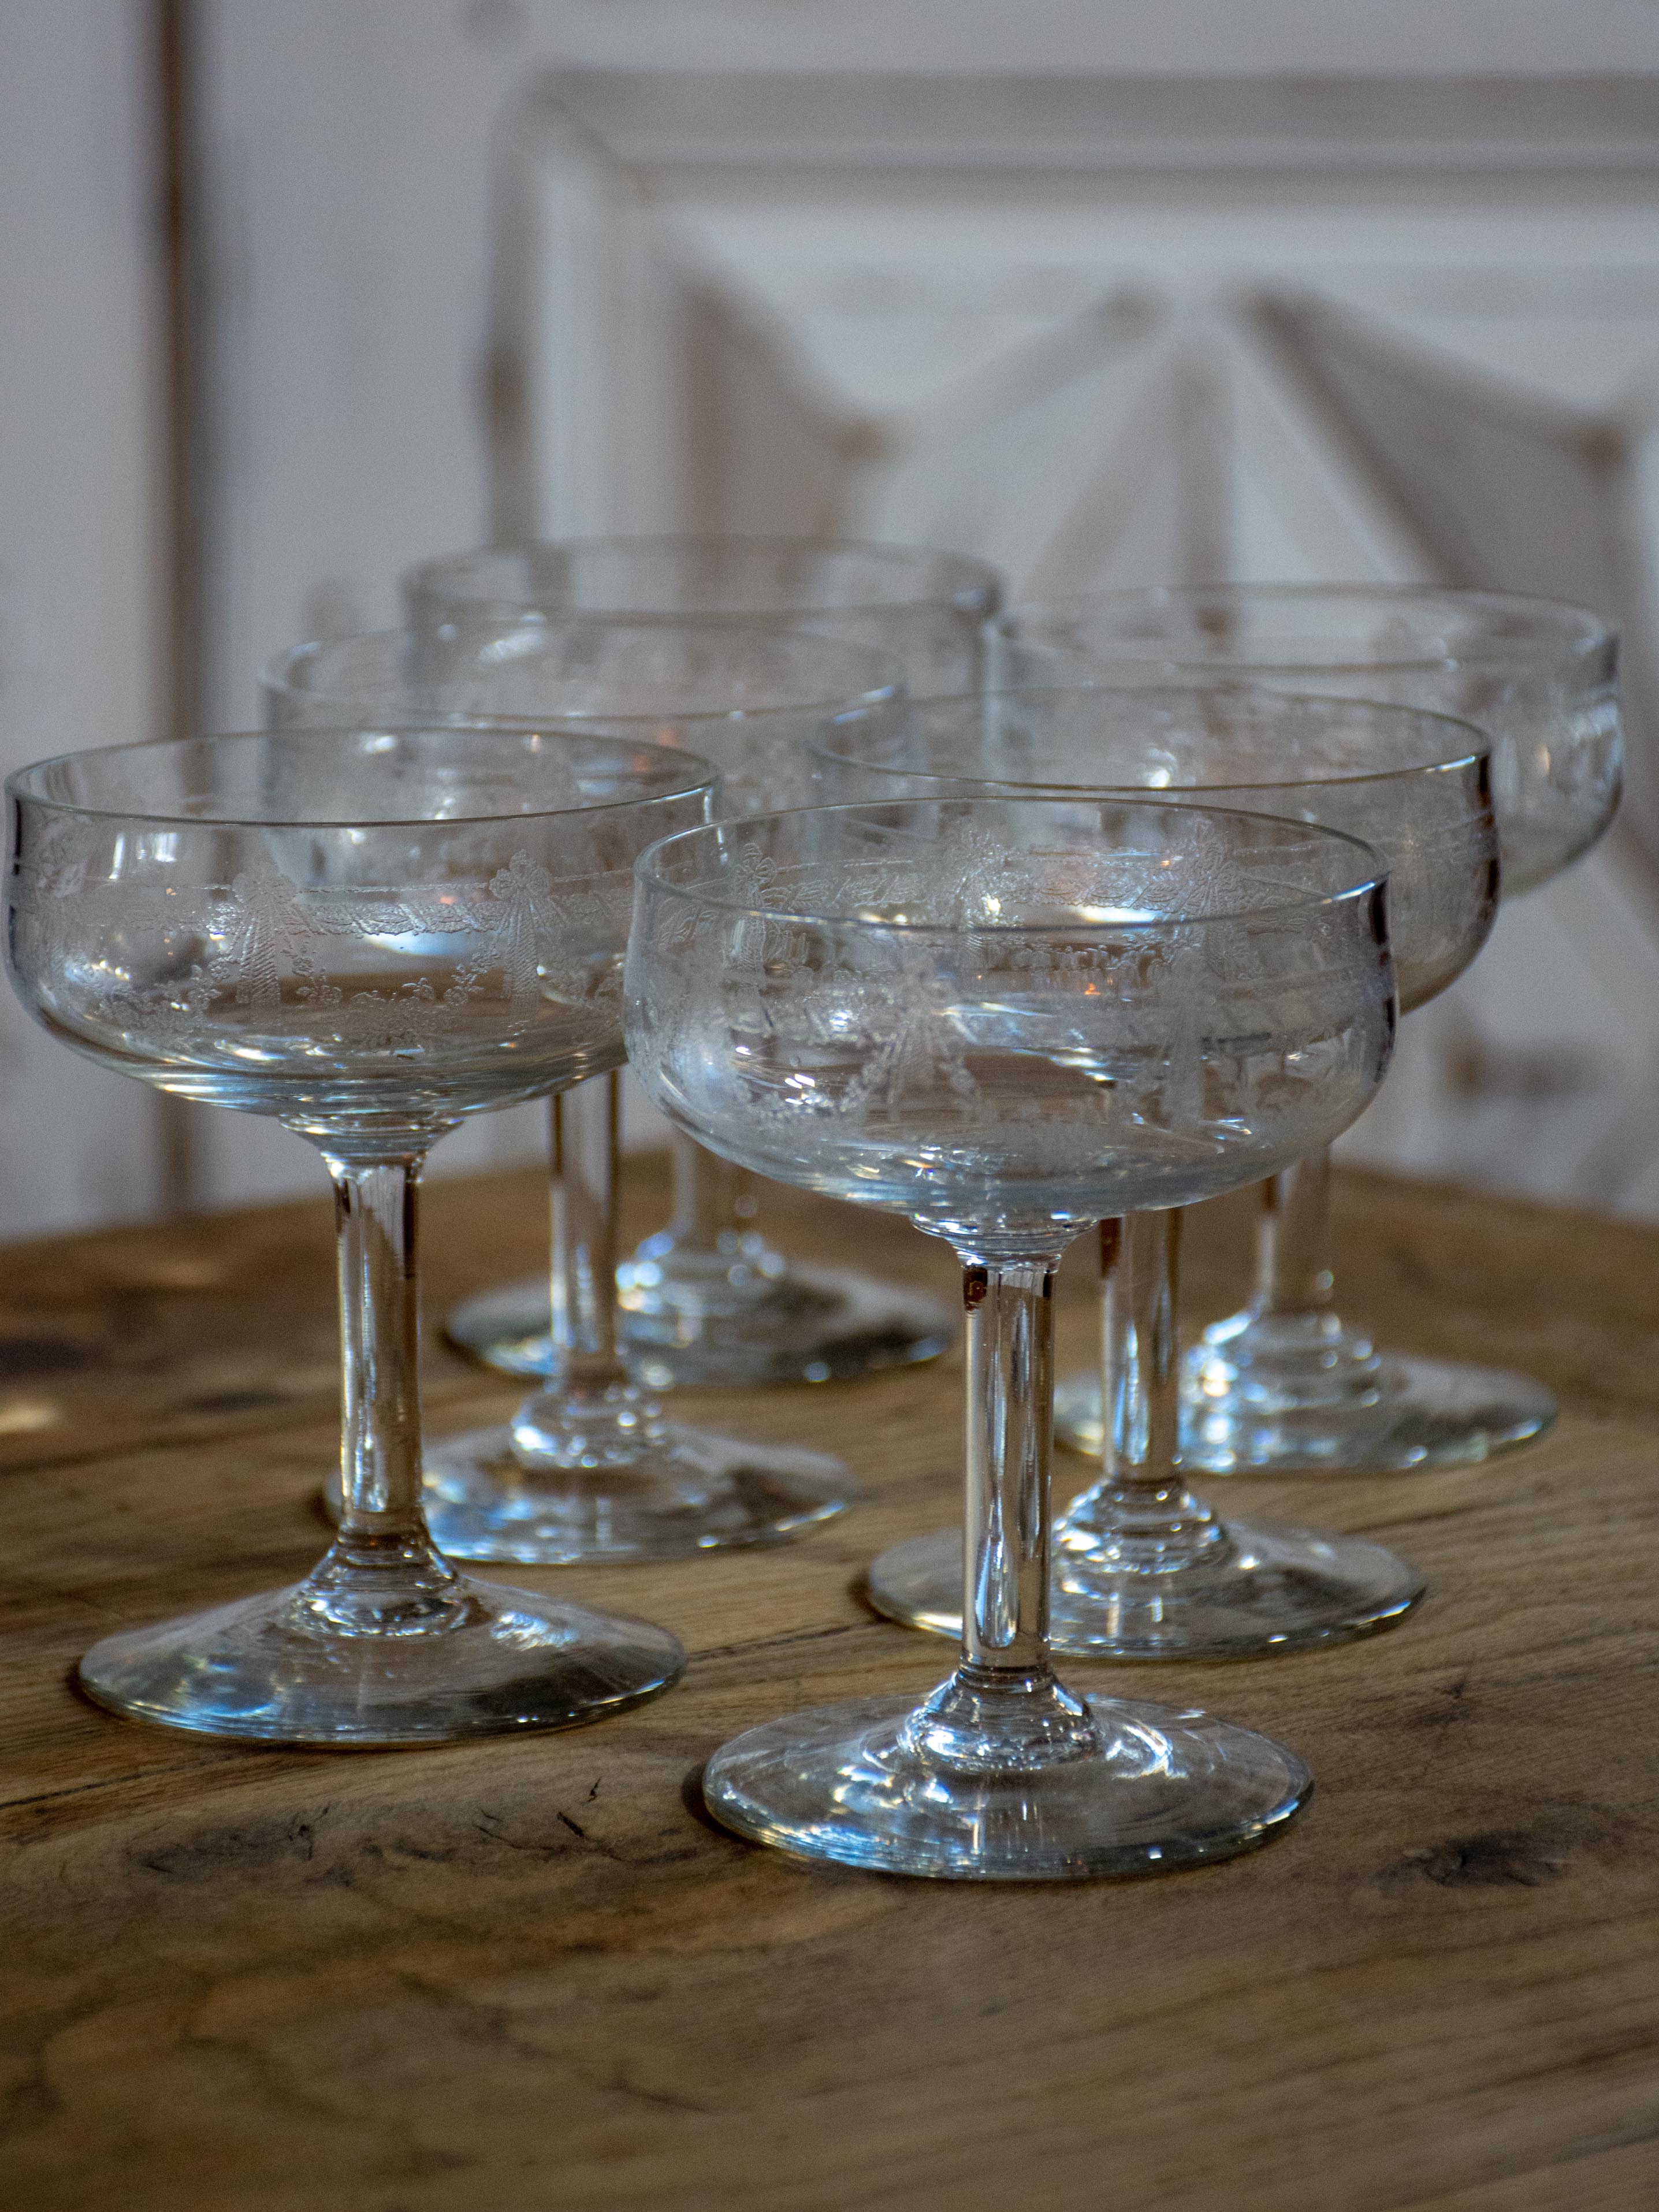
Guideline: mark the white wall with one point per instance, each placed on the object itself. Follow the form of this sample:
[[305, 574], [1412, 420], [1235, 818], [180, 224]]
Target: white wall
[[347, 161], [79, 572]]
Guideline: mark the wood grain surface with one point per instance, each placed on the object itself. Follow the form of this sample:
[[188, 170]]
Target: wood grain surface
[[531, 1974]]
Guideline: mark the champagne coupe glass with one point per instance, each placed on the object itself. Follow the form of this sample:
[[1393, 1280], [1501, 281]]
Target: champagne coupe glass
[[366, 935], [710, 1300], [589, 1469], [1287, 1385], [1007, 1018], [1144, 1569]]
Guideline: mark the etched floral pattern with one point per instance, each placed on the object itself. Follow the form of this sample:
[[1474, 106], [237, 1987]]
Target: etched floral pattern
[[871, 1021], [530, 916], [262, 944], [944, 1017]]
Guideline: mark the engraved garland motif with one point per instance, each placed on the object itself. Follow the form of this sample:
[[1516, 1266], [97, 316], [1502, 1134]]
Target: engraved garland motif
[[826, 1021], [265, 932]]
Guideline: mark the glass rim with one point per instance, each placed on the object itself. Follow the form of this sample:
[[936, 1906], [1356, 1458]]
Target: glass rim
[[648, 875], [1468, 756], [272, 680], [684, 785], [1583, 631], [975, 573]]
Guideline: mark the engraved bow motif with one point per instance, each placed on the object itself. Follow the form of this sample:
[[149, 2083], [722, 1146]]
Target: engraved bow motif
[[270, 920], [524, 889], [267, 923], [263, 929]]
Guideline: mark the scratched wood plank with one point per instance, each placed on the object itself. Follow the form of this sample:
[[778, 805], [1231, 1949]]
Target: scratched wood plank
[[517, 1974], [226, 1325]]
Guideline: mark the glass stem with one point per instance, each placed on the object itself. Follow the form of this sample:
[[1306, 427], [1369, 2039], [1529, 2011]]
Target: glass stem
[[1141, 1514], [706, 1190], [709, 1267], [1010, 1331], [382, 1575], [586, 1144], [588, 1415], [1293, 1272], [1003, 1708]]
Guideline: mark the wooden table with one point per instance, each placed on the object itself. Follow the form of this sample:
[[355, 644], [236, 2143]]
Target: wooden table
[[532, 1974]]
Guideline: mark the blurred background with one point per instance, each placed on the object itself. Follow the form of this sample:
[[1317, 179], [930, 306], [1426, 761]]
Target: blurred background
[[293, 292]]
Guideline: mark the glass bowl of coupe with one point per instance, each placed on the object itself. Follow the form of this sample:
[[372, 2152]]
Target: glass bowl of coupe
[[710, 1299], [590, 1467], [1286, 1385], [367, 935], [1143, 1568], [1007, 1018]]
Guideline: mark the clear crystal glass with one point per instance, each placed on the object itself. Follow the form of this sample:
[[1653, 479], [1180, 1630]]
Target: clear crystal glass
[[1007, 1019], [710, 1299], [366, 935], [1144, 1569], [1287, 1385], [928, 608], [590, 1467]]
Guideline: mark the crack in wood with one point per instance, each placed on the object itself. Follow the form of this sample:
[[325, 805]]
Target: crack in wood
[[783, 1642]]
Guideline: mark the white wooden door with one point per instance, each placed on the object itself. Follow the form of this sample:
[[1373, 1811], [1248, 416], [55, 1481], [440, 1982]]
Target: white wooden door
[[80, 548], [981, 284]]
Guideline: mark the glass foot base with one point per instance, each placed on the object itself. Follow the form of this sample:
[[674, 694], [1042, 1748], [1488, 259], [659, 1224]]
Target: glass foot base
[[501, 1661], [1254, 1591], [1423, 1413], [812, 1325], [696, 1492], [1164, 1789], [508, 1330], [816, 1325]]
